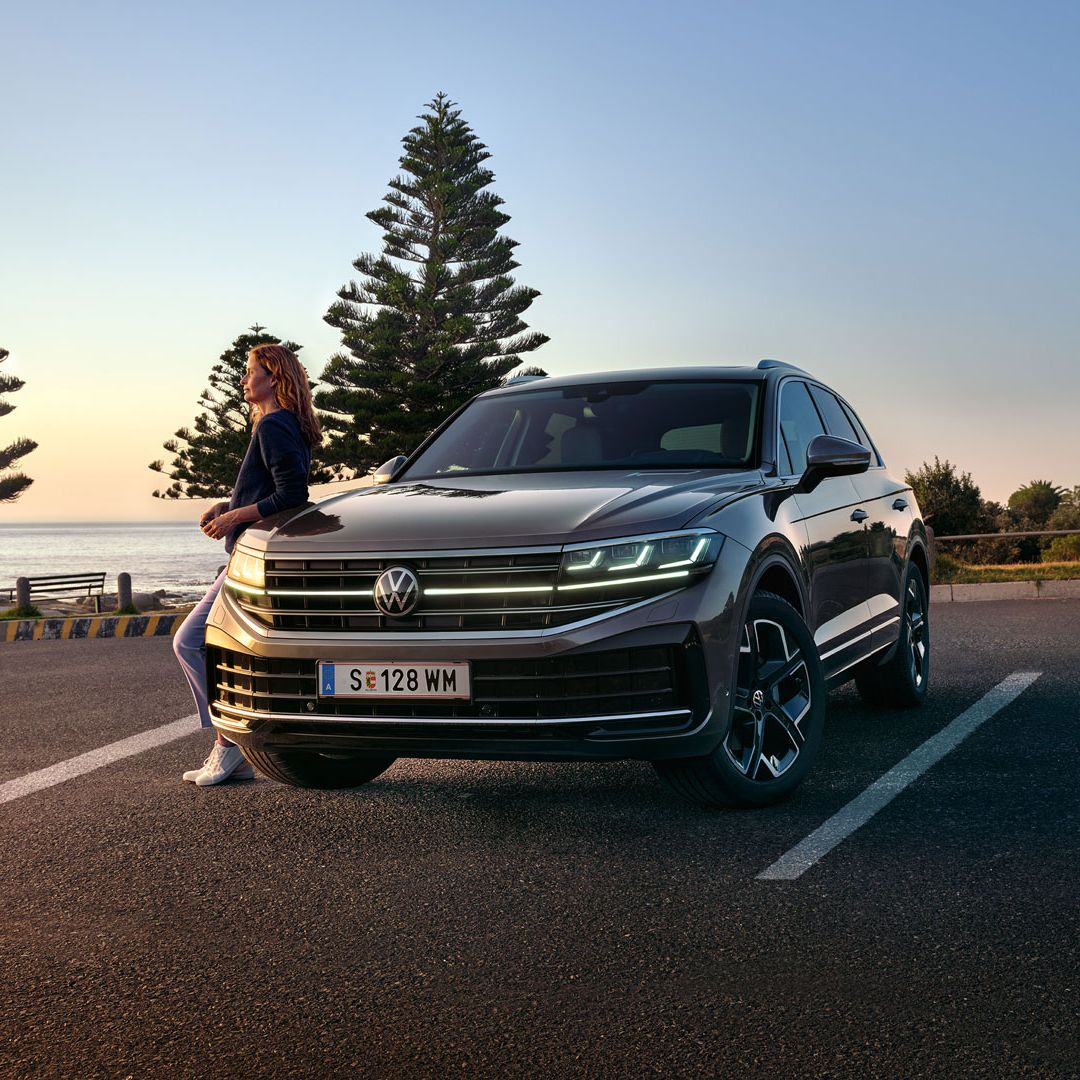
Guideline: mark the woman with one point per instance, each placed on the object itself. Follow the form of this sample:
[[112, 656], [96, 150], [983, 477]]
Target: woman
[[272, 477]]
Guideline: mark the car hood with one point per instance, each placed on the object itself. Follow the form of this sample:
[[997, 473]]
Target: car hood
[[501, 511]]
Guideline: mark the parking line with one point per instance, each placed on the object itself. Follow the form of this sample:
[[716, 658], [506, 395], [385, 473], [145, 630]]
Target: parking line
[[96, 759], [879, 794]]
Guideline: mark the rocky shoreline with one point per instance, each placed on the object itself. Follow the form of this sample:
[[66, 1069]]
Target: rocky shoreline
[[162, 601]]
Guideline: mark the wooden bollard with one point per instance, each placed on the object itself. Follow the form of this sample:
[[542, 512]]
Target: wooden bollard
[[123, 592], [22, 594]]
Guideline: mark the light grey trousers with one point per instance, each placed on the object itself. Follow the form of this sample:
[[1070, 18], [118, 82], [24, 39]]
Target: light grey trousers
[[189, 644]]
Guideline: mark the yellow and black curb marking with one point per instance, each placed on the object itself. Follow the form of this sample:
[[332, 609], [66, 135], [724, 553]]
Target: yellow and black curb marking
[[91, 626]]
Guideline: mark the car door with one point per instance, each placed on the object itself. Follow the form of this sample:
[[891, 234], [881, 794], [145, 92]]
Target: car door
[[836, 557], [890, 504]]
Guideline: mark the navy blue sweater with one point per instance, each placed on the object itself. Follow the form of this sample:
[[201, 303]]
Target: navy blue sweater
[[274, 471]]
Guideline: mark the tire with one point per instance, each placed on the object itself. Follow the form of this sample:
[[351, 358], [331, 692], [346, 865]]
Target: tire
[[310, 769], [776, 724], [902, 680]]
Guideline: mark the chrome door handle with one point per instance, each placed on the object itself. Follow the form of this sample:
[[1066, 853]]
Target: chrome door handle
[[859, 515], [899, 504]]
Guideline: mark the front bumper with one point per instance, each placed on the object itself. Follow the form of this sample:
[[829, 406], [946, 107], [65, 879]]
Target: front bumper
[[646, 683], [618, 698]]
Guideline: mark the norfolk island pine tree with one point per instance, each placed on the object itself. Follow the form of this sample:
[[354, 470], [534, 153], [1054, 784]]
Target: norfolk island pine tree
[[12, 484], [436, 317]]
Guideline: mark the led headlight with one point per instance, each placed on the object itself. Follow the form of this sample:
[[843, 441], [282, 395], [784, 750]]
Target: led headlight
[[669, 561], [246, 572]]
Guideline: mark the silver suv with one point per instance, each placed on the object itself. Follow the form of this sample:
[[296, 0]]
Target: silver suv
[[670, 565]]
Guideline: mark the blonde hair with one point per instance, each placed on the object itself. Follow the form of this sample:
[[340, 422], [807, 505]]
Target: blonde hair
[[291, 389]]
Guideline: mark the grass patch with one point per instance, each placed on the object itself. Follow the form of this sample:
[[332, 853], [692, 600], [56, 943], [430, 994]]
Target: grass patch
[[950, 571], [21, 613]]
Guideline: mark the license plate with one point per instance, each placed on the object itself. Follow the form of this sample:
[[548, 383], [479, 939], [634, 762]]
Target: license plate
[[388, 679]]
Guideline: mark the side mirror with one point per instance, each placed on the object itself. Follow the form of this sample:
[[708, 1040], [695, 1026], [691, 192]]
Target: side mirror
[[386, 471], [827, 456]]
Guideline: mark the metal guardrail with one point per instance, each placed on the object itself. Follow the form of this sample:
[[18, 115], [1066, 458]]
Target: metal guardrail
[[1007, 535]]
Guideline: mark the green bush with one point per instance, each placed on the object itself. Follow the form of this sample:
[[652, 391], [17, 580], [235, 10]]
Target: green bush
[[1063, 549], [21, 613]]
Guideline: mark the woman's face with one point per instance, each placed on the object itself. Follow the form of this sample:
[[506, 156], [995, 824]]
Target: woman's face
[[257, 384]]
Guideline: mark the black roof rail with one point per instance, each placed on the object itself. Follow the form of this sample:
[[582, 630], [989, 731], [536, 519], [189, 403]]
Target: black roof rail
[[766, 365], [516, 379]]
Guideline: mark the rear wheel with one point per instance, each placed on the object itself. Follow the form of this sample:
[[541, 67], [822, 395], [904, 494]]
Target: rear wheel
[[901, 682], [310, 769], [777, 716]]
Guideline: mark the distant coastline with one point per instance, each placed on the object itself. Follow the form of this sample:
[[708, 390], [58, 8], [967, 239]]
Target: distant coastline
[[159, 555]]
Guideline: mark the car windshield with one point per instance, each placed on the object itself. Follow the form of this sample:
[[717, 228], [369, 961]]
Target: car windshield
[[618, 425]]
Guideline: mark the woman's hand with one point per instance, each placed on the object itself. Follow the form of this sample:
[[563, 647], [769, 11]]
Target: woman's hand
[[217, 508], [221, 524]]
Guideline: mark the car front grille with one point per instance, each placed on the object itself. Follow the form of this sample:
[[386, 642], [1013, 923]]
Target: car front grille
[[509, 590], [650, 680]]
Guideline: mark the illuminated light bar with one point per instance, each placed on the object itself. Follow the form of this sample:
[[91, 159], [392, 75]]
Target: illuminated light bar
[[625, 581], [591, 564], [646, 551], [488, 592], [694, 555], [242, 586], [312, 592]]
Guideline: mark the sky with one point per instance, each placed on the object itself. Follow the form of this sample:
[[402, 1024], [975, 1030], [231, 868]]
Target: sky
[[885, 195]]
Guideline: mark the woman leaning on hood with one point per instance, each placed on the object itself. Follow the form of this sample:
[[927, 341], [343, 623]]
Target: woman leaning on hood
[[272, 477]]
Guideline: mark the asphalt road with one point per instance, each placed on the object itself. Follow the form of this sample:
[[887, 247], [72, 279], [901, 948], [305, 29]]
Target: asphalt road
[[500, 919]]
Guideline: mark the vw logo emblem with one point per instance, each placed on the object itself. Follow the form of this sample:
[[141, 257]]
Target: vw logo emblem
[[758, 699], [397, 591]]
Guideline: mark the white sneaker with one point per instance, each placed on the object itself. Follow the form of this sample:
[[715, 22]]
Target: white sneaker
[[224, 763], [244, 772]]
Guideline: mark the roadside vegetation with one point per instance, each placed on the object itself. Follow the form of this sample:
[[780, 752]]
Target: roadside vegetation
[[950, 571], [31, 612], [952, 505]]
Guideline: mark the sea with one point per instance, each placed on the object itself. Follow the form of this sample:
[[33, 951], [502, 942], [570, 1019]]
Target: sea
[[174, 556]]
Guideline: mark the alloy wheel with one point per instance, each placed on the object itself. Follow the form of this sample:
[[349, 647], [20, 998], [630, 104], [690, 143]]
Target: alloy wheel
[[772, 696], [915, 628]]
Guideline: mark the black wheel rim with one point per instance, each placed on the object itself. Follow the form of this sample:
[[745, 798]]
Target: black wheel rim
[[772, 698], [917, 632]]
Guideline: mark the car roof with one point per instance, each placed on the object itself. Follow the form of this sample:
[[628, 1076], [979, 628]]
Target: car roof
[[705, 373]]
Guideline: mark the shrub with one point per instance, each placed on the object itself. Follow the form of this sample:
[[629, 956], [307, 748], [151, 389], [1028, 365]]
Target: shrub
[[31, 612]]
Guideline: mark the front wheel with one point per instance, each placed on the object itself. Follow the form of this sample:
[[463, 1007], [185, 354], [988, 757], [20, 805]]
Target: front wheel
[[777, 716], [310, 769]]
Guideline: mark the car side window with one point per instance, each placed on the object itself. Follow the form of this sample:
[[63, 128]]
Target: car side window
[[783, 463], [861, 436], [799, 423], [835, 417]]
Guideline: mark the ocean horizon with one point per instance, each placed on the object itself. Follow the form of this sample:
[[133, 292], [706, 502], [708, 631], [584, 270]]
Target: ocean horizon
[[170, 555]]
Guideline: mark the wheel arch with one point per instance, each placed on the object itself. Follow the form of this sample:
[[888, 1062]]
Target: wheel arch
[[774, 570], [918, 557]]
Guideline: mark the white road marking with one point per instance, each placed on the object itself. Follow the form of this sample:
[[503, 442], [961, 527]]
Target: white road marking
[[879, 794], [96, 759]]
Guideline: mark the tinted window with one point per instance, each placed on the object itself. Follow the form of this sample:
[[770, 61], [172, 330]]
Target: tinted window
[[860, 433], [799, 423], [835, 418], [783, 463], [617, 425]]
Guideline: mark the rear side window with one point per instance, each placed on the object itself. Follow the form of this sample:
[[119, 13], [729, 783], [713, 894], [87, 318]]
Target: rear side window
[[835, 418], [799, 423], [860, 434]]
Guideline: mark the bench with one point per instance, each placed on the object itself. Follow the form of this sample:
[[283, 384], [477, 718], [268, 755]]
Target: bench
[[63, 587]]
